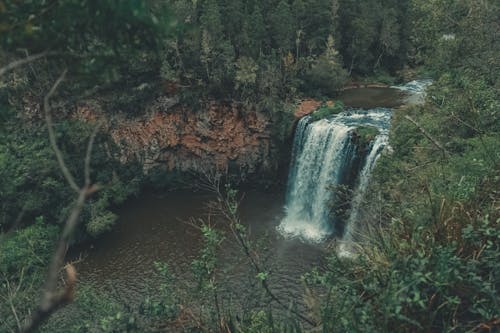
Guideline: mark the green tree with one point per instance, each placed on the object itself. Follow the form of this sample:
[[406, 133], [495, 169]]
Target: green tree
[[282, 27], [256, 33]]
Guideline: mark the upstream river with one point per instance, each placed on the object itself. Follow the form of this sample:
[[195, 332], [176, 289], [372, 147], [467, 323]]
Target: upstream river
[[163, 228]]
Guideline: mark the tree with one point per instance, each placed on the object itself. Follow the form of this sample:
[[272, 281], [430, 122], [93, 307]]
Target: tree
[[282, 26], [86, 35], [389, 36], [256, 36], [326, 74]]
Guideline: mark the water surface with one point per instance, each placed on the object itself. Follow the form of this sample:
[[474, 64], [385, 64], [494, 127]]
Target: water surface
[[164, 228]]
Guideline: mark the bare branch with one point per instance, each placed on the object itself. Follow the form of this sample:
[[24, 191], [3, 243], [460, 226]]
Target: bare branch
[[52, 136], [10, 298], [89, 154], [427, 135], [52, 298], [20, 62]]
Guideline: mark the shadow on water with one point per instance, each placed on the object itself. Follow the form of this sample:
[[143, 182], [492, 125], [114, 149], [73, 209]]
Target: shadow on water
[[369, 98], [154, 228]]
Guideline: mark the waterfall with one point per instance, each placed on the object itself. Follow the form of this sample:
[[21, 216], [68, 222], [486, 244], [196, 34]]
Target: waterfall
[[364, 179], [325, 154]]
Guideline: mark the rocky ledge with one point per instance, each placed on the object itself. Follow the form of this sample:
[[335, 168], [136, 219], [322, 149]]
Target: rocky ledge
[[220, 135]]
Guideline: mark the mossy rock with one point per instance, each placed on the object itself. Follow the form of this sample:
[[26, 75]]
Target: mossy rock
[[366, 134], [325, 110]]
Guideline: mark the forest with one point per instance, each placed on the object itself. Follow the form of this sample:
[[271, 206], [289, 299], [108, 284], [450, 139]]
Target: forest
[[108, 105]]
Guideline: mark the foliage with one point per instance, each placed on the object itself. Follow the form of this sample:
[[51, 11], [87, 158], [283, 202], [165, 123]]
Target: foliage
[[28, 249], [33, 183], [93, 311], [303, 42], [408, 280], [324, 78], [24, 256], [325, 110], [101, 42], [205, 265], [366, 134], [163, 305], [428, 257], [374, 34]]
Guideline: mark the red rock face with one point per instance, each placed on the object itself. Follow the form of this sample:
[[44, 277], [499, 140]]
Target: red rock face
[[306, 107], [185, 140]]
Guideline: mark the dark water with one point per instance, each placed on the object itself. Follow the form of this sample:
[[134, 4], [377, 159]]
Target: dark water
[[164, 229], [369, 98]]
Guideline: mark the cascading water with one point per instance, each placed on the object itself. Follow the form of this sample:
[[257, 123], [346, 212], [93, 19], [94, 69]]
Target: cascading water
[[415, 90], [325, 154]]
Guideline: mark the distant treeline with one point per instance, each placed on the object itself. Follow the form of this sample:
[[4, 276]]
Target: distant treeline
[[253, 48]]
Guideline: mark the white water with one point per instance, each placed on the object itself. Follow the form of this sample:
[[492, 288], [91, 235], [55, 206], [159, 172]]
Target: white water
[[416, 90], [359, 193], [321, 153]]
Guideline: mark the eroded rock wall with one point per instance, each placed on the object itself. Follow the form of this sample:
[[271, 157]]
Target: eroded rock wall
[[222, 136]]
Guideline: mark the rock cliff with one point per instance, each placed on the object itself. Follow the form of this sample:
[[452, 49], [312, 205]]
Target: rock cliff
[[222, 136]]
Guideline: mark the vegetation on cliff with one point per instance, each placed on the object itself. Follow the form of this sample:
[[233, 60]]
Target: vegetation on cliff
[[326, 110]]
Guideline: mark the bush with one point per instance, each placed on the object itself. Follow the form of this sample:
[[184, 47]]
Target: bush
[[27, 249], [24, 257], [407, 280], [324, 78], [325, 111], [366, 134]]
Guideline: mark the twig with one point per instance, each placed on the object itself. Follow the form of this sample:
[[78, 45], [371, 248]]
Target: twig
[[52, 135], [13, 309], [88, 154], [428, 136], [20, 62], [229, 212]]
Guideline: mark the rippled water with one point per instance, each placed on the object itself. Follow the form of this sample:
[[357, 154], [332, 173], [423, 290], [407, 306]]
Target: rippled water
[[156, 228]]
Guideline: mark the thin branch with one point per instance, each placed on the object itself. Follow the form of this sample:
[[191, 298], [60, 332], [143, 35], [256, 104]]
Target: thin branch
[[21, 62], [229, 210], [427, 135], [13, 309], [52, 136], [88, 155], [52, 298]]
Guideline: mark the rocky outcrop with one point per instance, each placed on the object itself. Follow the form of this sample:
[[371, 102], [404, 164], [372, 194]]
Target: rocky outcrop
[[306, 107], [221, 136]]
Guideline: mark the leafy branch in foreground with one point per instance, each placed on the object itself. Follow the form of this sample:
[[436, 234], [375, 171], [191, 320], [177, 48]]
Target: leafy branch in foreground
[[227, 205]]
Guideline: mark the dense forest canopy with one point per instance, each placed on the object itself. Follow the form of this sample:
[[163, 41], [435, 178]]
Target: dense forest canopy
[[431, 264]]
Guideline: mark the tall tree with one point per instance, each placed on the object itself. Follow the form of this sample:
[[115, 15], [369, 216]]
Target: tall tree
[[282, 27]]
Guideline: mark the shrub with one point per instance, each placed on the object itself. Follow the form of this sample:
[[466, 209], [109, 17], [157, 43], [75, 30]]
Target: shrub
[[325, 111], [324, 78], [366, 134]]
